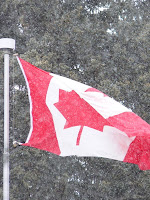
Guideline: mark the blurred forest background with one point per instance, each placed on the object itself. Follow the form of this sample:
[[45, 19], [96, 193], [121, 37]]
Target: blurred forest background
[[102, 43]]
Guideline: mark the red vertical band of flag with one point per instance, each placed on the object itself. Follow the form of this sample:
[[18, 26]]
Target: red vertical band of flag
[[43, 134], [139, 151]]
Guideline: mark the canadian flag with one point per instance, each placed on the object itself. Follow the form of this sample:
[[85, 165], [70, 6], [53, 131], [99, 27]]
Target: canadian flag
[[70, 118]]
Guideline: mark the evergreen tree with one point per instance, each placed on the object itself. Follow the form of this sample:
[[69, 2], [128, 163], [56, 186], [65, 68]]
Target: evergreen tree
[[104, 44]]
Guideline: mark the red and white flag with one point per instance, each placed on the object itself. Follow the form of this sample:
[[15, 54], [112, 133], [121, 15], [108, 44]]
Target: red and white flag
[[70, 118]]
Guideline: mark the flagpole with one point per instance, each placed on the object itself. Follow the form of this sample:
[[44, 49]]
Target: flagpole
[[6, 44]]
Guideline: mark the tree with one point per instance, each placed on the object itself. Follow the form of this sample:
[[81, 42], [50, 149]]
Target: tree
[[104, 44]]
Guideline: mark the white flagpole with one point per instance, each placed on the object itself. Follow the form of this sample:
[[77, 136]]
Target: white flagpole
[[6, 44]]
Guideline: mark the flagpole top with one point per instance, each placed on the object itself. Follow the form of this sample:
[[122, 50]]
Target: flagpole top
[[7, 43]]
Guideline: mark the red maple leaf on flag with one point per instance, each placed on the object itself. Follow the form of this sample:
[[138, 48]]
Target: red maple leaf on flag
[[78, 112]]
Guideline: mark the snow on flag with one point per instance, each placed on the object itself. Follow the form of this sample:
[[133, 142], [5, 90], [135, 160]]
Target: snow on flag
[[70, 118]]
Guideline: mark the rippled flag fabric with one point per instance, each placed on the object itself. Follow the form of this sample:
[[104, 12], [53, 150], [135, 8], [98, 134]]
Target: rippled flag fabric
[[71, 118]]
